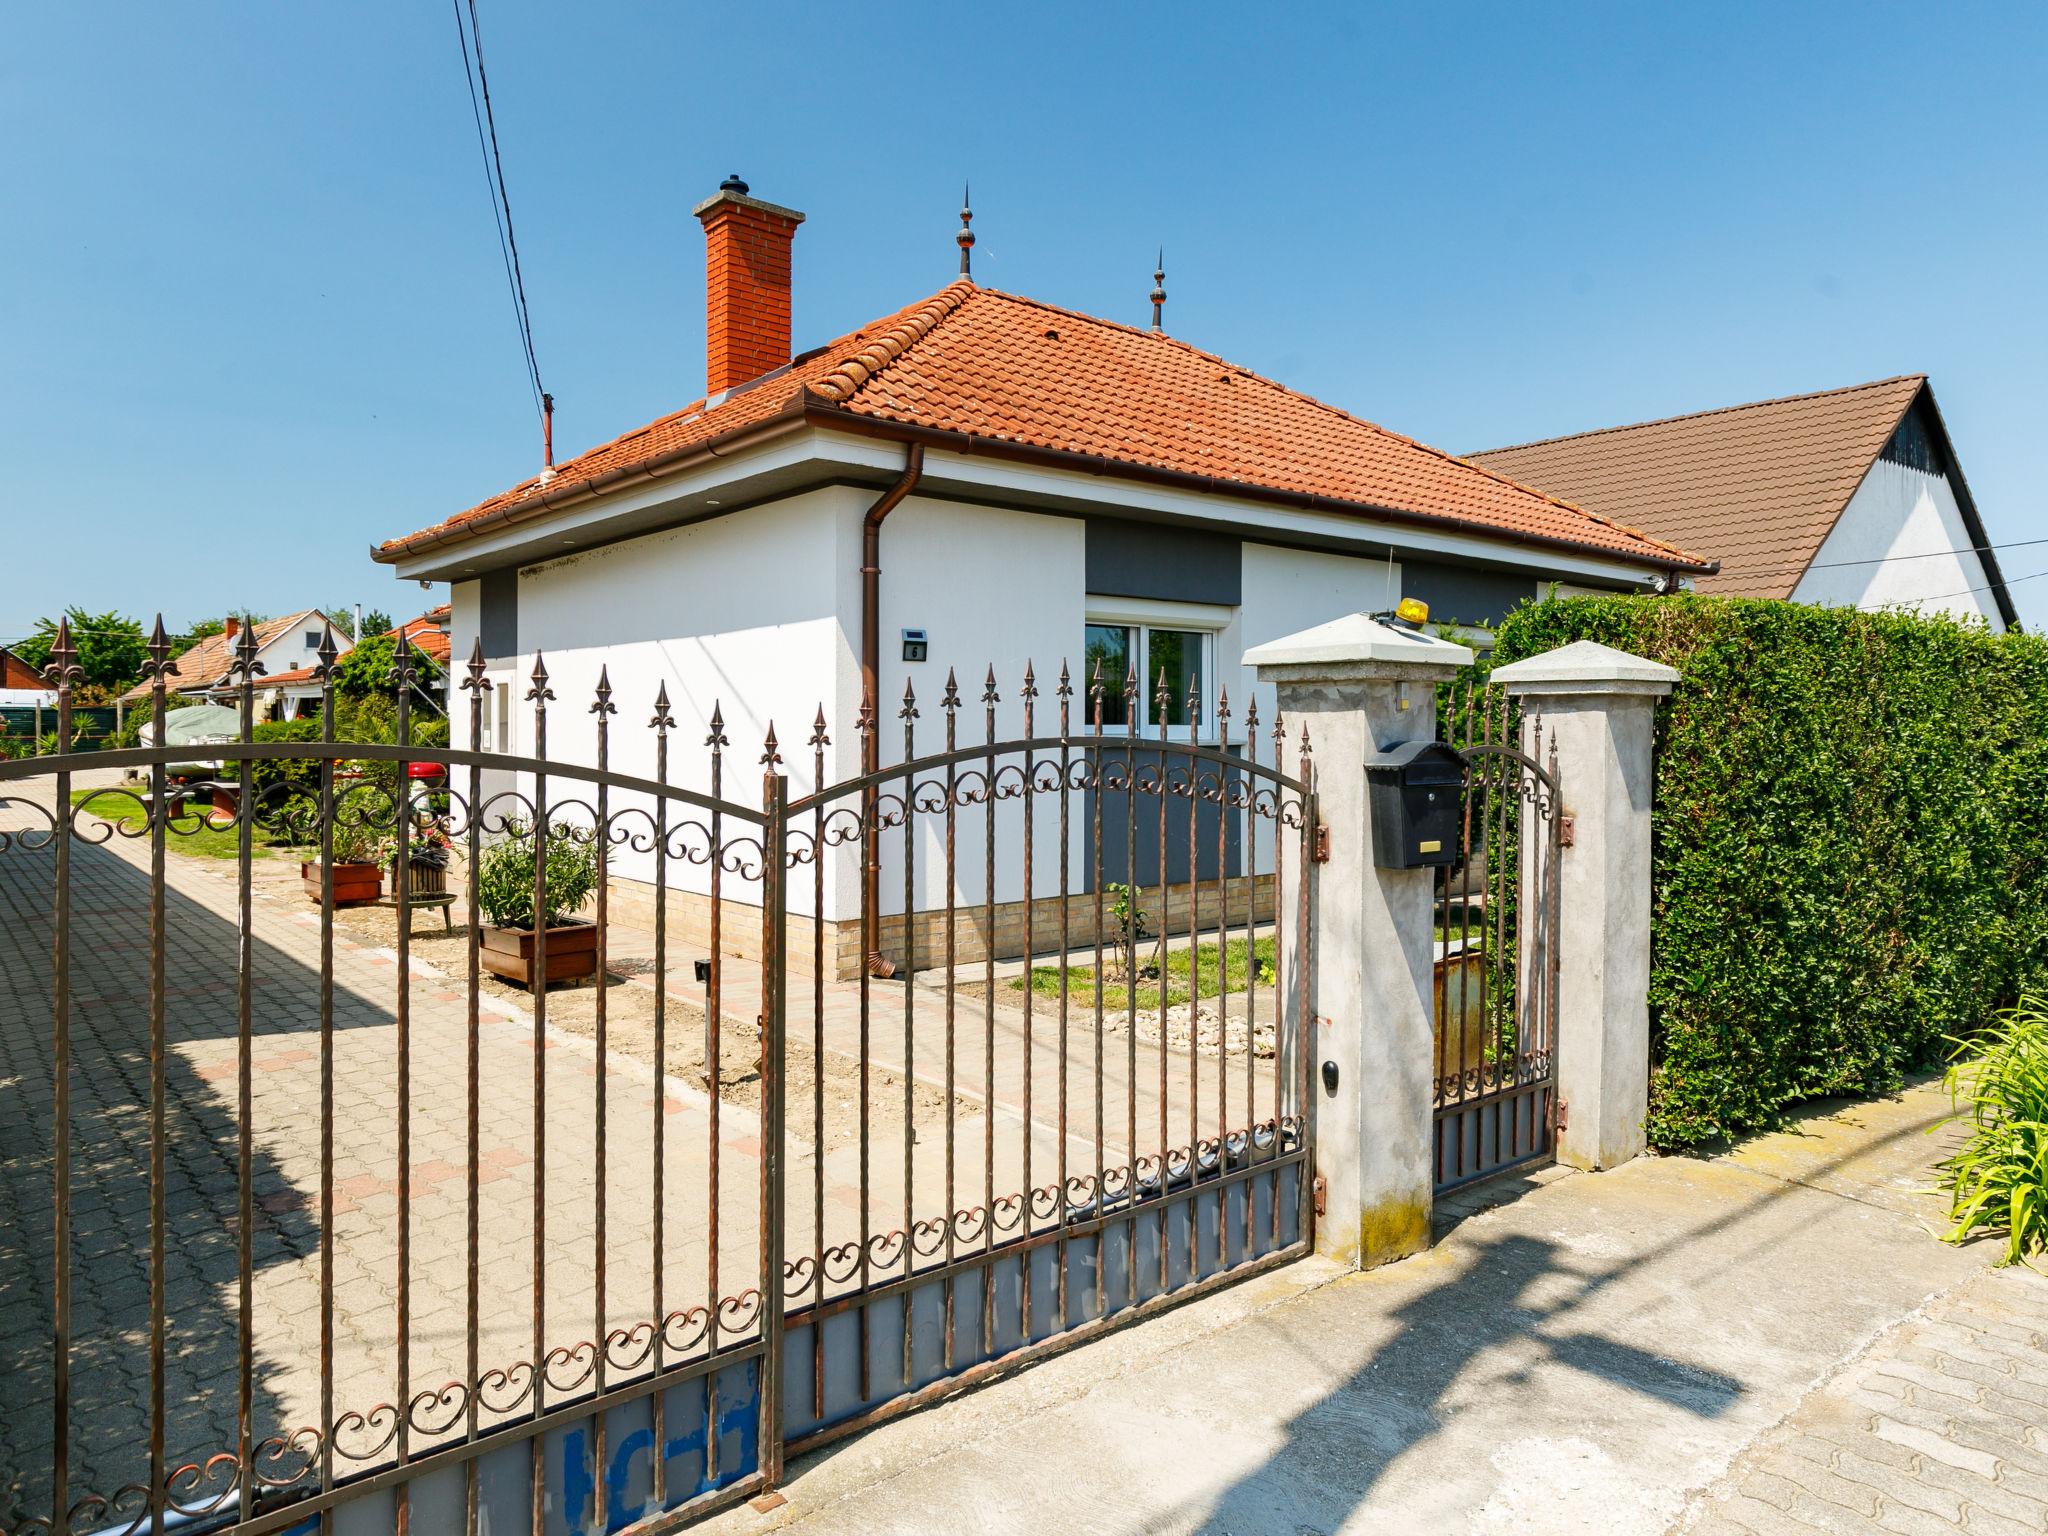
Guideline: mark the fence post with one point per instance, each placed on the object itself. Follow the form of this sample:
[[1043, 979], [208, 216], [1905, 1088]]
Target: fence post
[[1596, 707], [1362, 686], [774, 936]]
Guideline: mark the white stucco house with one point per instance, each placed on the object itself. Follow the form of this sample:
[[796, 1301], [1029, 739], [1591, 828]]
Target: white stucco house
[[1850, 497], [1015, 481]]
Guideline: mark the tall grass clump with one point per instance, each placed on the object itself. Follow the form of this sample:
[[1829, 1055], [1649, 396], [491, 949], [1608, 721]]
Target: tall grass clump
[[1998, 1182]]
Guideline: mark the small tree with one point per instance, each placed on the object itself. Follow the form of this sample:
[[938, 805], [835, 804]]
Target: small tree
[[111, 650], [1131, 929]]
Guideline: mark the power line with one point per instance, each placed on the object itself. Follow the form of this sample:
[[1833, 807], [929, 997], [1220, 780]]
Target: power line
[[1931, 554], [471, 38]]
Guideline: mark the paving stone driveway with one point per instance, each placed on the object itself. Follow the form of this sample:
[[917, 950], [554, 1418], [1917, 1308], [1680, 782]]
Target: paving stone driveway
[[1941, 1426], [109, 1210]]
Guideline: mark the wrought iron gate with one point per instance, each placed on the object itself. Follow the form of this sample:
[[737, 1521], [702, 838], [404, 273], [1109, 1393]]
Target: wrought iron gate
[[406, 1250], [1496, 1105]]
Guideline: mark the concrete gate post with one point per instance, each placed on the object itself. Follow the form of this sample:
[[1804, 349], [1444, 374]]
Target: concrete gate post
[[1597, 706], [1361, 687]]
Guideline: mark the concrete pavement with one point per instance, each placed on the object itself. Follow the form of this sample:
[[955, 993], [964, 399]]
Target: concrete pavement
[[1625, 1352]]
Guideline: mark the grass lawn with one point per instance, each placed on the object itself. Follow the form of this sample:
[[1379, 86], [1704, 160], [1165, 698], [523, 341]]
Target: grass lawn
[[1045, 979], [192, 833]]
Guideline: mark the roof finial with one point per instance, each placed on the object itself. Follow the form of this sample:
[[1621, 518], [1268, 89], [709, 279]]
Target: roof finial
[[1159, 292], [965, 239]]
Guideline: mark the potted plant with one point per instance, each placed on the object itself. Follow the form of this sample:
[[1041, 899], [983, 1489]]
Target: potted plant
[[427, 846], [358, 874], [504, 890]]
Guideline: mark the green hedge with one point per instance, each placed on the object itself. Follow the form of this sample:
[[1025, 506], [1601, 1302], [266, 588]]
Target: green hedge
[[1851, 835]]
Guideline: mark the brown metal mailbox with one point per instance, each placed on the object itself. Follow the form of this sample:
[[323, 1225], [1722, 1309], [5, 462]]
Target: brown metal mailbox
[[1417, 792]]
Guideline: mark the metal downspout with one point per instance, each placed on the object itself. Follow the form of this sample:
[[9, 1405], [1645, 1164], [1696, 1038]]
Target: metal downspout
[[870, 670]]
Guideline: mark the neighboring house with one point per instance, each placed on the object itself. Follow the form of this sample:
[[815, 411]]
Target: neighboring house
[[282, 645], [1851, 497], [295, 694], [21, 684], [1056, 488]]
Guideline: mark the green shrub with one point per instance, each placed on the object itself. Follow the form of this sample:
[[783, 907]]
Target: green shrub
[[1850, 838], [504, 876], [1998, 1182]]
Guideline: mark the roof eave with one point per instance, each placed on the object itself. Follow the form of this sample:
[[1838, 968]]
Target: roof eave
[[827, 415]]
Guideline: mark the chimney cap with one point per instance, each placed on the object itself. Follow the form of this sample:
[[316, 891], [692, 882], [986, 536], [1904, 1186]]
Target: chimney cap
[[734, 191]]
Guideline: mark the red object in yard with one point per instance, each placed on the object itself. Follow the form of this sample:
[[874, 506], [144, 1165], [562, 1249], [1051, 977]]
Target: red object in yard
[[424, 771]]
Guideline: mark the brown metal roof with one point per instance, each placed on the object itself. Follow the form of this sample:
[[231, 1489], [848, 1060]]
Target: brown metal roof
[[1756, 486]]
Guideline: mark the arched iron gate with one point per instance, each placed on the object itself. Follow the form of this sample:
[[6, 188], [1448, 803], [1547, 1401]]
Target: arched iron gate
[[1496, 1105], [323, 1233]]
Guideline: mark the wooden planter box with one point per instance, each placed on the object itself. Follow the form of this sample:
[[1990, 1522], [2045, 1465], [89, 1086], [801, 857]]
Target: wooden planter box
[[572, 952], [355, 885]]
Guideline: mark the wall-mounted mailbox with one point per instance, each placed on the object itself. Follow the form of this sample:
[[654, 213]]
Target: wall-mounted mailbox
[[915, 645], [1418, 797]]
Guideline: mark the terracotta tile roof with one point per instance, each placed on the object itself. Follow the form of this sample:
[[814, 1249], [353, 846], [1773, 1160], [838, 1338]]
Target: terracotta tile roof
[[1755, 486], [206, 661], [1012, 371], [428, 638]]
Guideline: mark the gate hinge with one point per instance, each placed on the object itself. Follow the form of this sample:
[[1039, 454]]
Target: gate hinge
[[1567, 830], [1560, 1114], [1319, 850], [1321, 1191]]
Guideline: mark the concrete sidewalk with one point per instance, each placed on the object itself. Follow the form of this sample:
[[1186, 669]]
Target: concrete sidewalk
[[1624, 1352]]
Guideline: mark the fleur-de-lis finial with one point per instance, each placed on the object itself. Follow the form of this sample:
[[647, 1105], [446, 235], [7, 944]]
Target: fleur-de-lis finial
[[1065, 689], [770, 752], [245, 661], [1279, 728], [1130, 693], [717, 739], [818, 736], [602, 705], [1251, 719], [988, 687], [325, 656], [63, 669], [1030, 688], [401, 674], [663, 720], [1161, 697], [1223, 710], [864, 721], [474, 682], [1304, 739], [159, 662], [950, 699], [540, 691], [909, 709]]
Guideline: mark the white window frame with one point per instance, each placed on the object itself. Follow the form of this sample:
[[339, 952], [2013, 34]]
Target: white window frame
[[1209, 620]]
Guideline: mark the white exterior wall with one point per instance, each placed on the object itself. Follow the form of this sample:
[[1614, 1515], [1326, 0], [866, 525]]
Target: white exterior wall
[[989, 586], [738, 613], [1899, 510]]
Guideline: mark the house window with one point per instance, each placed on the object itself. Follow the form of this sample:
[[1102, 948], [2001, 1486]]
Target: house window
[[1184, 656], [312, 639], [504, 722]]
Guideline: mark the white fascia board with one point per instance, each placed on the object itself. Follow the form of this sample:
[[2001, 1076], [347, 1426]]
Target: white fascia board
[[827, 453], [1020, 484], [551, 535]]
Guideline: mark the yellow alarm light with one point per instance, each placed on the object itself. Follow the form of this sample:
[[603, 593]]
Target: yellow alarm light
[[1412, 610]]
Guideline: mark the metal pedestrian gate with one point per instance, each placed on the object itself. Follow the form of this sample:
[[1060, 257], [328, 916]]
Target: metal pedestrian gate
[[1495, 1098], [309, 1224]]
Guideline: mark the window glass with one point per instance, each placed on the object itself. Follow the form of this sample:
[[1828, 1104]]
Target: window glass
[[1109, 646], [1178, 654]]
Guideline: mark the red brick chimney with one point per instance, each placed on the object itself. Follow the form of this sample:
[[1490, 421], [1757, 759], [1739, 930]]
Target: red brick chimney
[[230, 627], [746, 284]]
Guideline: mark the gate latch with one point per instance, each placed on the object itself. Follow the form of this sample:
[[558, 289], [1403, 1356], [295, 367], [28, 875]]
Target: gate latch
[[1322, 1195], [1567, 830], [1319, 850], [1560, 1114]]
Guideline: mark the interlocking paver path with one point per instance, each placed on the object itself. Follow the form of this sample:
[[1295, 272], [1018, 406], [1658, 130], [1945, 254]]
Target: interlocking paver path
[[109, 1210], [1941, 1426]]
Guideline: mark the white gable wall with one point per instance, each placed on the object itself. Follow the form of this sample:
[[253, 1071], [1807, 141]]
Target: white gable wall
[[1899, 510]]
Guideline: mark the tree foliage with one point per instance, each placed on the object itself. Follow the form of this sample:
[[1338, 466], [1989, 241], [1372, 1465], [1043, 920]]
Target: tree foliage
[[111, 650], [1850, 843], [364, 670]]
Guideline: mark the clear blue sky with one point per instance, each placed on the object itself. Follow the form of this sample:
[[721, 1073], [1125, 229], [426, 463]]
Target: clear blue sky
[[252, 315]]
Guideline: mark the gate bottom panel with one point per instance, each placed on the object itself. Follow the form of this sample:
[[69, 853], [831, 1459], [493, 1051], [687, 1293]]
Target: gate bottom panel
[[1481, 1137], [1117, 1255]]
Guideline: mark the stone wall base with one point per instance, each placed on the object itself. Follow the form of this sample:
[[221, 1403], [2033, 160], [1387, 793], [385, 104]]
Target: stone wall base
[[739, 935]]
